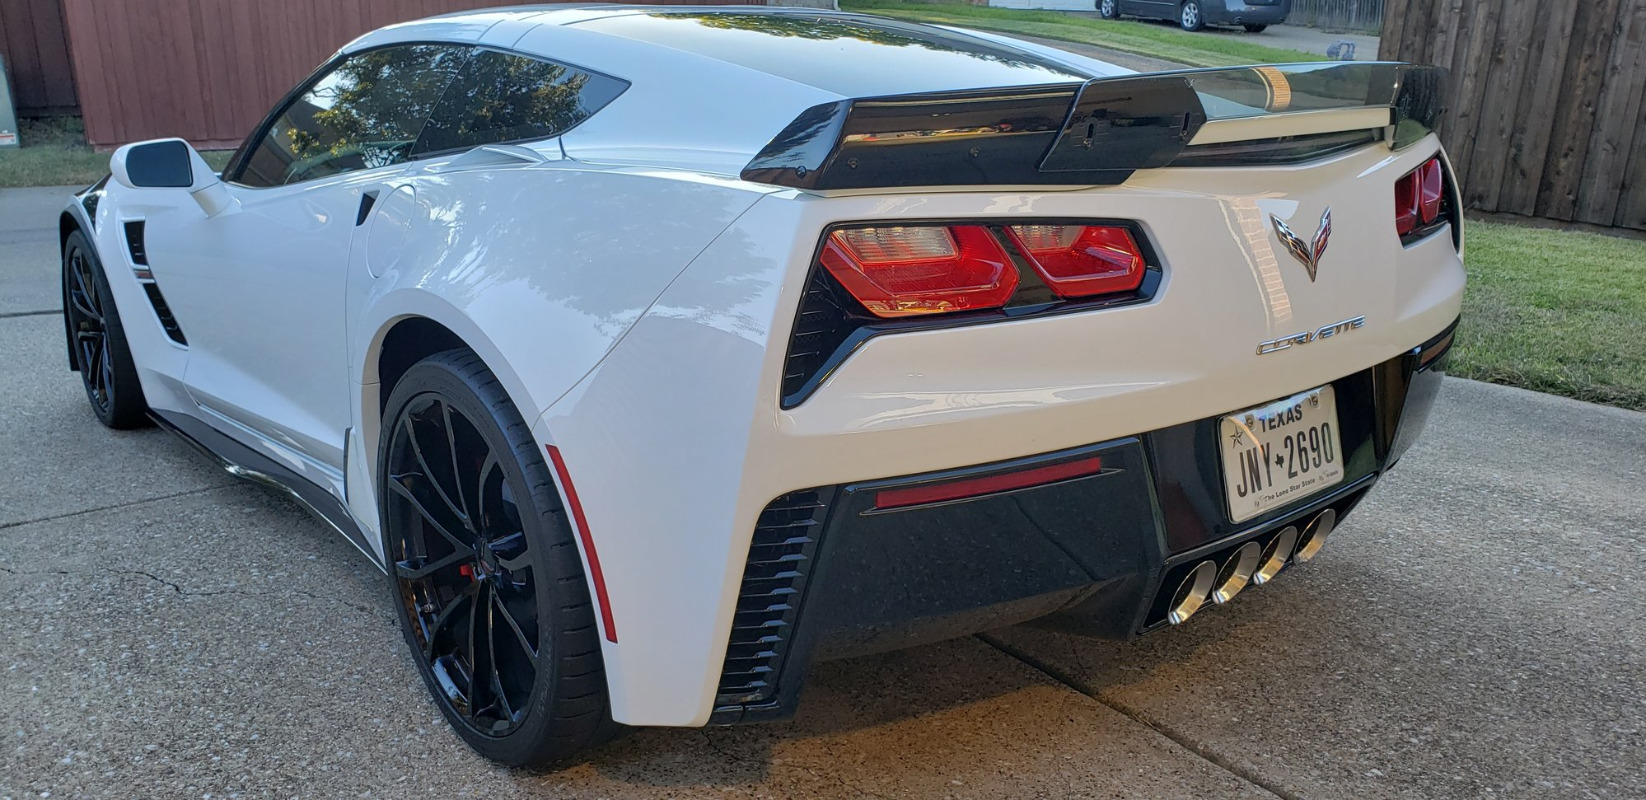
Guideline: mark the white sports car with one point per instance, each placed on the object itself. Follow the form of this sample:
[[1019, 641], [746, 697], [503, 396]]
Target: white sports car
[[656, 354]]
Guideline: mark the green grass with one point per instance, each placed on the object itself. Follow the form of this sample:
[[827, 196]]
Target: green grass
[[1142, 38], [1555, 311], [55, 153]]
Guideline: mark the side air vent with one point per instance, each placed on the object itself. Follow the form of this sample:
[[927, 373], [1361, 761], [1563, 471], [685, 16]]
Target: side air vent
[[780, 557], [134, 243], [163, 311], [819, 331]]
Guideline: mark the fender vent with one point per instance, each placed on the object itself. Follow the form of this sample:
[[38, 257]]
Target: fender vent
[[774, 580], [163, 311], [134, 243]]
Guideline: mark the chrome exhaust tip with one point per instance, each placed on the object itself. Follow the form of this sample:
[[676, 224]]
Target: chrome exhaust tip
[[1275, 555], [1191, 594], [1237, 572], [1314, 536]]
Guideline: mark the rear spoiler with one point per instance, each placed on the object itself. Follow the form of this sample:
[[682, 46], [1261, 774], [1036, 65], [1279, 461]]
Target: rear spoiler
[[1101, 131]]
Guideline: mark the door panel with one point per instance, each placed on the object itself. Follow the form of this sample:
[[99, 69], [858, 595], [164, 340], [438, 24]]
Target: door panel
[[260, 286], [1155, 9], [260, 290]]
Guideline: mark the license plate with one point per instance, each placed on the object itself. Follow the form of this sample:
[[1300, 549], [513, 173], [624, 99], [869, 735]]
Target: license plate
[[1280, 452]]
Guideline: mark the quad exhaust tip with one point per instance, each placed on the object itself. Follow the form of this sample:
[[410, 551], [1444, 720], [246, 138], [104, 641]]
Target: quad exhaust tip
[[1314, 536], [1250, 563], [1275, 555], [1191, 594], [1237, 571]]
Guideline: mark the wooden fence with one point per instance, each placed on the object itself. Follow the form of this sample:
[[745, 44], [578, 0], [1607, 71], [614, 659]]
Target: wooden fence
[[208, 70], [1345, 15], [1547, 113], [35, 44]]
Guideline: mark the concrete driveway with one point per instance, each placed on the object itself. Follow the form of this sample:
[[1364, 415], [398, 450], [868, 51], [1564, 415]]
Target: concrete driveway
[[1478, 629]]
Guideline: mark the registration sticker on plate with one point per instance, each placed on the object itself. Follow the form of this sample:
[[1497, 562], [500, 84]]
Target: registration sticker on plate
[[1280, 452]]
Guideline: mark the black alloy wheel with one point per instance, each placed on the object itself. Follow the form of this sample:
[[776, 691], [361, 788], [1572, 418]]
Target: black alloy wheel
[[97, 340], [484, 570]]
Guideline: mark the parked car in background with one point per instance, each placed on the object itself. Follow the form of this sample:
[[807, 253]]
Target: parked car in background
[[1193, 15]]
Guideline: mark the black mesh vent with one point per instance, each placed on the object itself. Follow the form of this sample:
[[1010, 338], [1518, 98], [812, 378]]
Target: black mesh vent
[[780, 556], [819, 330], [163, 311], [134, 243]]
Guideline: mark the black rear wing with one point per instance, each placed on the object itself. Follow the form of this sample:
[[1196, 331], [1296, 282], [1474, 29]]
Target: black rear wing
[[1101, 131]]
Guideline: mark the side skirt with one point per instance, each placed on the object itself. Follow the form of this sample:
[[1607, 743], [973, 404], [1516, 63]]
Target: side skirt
[[243, 462]]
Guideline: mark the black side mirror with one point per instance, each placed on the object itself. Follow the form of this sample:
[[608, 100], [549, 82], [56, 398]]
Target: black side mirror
[[159, 165]]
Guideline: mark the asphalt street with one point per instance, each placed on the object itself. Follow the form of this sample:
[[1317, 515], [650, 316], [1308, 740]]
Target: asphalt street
[[1477, 629]]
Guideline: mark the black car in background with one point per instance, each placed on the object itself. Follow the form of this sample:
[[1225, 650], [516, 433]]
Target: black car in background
[[1253, 15]]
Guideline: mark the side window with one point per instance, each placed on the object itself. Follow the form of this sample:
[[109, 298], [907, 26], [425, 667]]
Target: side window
[[500, 97], [366, 112]]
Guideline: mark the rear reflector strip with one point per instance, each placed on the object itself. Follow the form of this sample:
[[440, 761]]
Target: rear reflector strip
[[595, 574], [991, 484]]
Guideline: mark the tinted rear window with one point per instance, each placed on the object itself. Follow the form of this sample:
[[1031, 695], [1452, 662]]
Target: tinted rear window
[[848, 55], [498, 97]]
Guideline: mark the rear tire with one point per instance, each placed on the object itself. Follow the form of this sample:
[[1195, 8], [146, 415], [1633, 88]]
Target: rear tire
[[484, 570], [1189, 16], [97, 340], [1252, 28], [1108, 9]]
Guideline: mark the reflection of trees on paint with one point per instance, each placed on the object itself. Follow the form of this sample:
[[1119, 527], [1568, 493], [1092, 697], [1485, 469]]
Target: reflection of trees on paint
[[824, 28]]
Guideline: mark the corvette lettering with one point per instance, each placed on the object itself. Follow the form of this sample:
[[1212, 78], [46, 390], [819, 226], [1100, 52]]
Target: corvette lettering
[[1327, 331]]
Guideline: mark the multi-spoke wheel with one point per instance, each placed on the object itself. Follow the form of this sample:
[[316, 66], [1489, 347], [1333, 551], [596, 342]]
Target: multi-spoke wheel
[[1108, 9], [484, 569], [97, 340]]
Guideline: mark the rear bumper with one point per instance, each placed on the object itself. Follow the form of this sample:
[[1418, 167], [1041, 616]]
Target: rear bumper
[[829, 575], [1238, 13]]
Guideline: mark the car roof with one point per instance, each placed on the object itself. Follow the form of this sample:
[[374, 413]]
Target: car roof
[[711, 85], [849, 55]]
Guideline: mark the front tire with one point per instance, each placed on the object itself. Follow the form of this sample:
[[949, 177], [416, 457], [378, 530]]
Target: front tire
[[484, 569], [1108, 9], [1189, 16], [97, 339]]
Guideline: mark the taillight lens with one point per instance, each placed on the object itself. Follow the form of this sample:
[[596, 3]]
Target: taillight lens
[[1429, 188], [1081, 260], [1419, 197], [902, 271]]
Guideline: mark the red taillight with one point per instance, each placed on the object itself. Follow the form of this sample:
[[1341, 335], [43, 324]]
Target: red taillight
[[1430, 187], [1418, 197], [1081, 260], [902, 271], [992, 484]]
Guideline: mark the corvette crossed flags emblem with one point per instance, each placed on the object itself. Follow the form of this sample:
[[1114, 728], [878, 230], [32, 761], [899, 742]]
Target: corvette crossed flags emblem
[[1308, 253]]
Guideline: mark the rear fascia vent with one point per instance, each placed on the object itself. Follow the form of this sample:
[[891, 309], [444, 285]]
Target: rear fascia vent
[[781, 556]]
